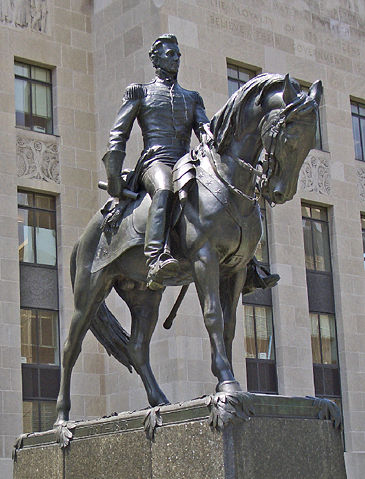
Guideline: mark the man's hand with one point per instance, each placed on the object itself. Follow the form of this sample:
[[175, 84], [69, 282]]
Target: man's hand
[[113, 161], [116, 185]]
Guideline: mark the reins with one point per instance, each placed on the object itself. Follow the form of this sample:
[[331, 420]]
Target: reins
[[270, 158]]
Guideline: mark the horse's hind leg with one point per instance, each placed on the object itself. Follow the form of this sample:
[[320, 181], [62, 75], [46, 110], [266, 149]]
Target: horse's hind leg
[[88, 295], [144, 306]]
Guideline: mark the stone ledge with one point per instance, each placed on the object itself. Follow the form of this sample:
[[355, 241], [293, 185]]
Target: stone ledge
[[284, 438]]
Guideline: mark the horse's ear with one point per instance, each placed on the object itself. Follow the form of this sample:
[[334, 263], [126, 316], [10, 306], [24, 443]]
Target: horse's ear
[[315, 91], [289, 93]]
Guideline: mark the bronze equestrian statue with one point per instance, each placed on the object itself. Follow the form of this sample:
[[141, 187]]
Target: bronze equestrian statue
[[215, 218]]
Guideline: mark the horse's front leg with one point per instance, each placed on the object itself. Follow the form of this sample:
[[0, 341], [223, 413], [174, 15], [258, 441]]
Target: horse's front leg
[[206, 275], [230, 290]]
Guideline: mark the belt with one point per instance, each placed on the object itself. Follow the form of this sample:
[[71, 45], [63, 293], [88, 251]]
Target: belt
[[167, 141]]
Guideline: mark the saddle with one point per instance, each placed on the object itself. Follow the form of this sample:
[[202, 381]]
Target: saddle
[[123, 224]]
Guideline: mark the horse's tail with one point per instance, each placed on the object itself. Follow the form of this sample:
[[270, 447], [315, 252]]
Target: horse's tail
[[105, 326], [108, 331]]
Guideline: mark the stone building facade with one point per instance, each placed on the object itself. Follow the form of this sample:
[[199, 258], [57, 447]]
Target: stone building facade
[[93, 50]]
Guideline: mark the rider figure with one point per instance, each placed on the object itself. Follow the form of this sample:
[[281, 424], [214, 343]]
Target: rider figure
[[166, 114]]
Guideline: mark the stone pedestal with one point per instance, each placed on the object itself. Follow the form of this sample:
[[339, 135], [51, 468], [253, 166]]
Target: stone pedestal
[[284, 439]]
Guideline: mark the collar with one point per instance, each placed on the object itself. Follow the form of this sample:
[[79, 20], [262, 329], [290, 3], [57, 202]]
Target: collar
[[164, 77]]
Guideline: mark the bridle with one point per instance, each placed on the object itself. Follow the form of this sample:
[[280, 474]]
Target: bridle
[[270, 163]]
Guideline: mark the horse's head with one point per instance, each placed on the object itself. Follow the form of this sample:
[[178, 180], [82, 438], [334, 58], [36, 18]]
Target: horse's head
[[287, 131]]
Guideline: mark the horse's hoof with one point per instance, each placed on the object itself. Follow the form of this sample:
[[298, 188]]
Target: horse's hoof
[[228, 387], [63, 432], [158, 400]]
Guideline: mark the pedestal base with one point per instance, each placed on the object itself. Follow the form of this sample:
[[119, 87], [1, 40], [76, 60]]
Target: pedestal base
[[284, 439]]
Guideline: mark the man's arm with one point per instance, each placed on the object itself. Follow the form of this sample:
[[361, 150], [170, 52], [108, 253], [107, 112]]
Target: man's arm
[[200, 116], [119, 135]]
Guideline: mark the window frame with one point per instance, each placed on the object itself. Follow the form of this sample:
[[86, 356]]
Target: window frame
[[259, 363], [38, 345], [32, 81], [326, 222], [250, 71], [35, 209], [358, 116], [39, 417]]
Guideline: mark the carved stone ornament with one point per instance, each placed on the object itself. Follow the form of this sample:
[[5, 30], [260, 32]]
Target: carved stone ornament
[[31, 14], [315, 175], [37, 159], [361, 182]]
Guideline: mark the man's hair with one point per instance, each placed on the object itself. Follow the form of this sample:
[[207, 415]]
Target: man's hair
[[165, 38]]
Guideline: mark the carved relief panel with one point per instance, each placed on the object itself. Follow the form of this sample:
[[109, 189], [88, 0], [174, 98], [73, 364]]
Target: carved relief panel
[[37, 159], [31, 14], [315, 175]]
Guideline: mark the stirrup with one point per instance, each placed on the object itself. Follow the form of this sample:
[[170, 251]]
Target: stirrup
[[165, 265]]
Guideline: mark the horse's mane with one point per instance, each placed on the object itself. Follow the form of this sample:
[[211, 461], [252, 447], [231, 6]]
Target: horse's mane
[[226, 123]]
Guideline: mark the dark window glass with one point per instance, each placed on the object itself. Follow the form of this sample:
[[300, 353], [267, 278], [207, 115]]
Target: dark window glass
[[237, 76], [37, 228], [33, 98], [358, 129], [316, 238]]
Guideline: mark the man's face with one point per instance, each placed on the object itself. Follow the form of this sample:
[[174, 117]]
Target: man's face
[[168, 57]]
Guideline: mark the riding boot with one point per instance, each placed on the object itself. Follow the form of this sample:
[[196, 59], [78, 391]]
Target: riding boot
[[159, 260], [258, 277]]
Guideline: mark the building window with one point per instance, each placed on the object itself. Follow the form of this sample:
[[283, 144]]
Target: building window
[[40, 367], [363, 235], [237, 76], [40, 352], [39, 336], [324, 354], [37, 228], [358, 129], [260, 349], [316, 238], [33, 97], [38, 415], [321, 303]]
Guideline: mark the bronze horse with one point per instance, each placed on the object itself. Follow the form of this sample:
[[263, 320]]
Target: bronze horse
[[218, 227]]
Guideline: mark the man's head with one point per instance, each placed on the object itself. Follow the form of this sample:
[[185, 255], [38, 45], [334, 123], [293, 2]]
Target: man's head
[[165, 54]]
